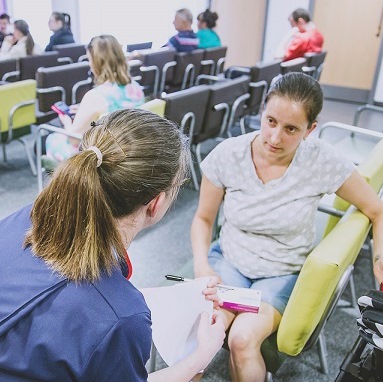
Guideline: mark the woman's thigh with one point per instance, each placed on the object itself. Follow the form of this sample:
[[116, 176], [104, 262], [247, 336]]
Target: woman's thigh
[[276, 291], [229, 273]]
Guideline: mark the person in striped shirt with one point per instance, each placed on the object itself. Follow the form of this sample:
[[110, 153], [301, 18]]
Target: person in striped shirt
[[185, 40]]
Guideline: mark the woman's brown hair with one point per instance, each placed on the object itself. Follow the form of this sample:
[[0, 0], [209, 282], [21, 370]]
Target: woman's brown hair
[[74, 227], [23, 27], [108, 60]]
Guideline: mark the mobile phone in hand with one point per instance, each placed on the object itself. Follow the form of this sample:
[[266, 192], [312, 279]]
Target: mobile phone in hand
[[61, 108]]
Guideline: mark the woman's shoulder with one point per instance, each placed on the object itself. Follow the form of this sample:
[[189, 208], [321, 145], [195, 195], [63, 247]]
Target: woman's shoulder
[[317, 150]]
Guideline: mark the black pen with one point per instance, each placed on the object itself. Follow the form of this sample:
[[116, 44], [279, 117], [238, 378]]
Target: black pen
[[180, 278]]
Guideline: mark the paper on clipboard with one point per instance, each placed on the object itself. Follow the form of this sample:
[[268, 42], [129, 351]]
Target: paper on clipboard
[[175, 312]]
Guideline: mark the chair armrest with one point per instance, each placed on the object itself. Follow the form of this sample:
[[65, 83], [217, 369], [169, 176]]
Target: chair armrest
[[52, 89], [362, 109], [188, 116], [165, 69], [65, 60], [310, 70], [83, 57], [12, 112], [223, 106], [220, 64], [209, 77], [7, 76], [210, 63], [77, 86], [241, 99], [190, 69], [52, 129], [351, 129], [156, 70], [241, 69]]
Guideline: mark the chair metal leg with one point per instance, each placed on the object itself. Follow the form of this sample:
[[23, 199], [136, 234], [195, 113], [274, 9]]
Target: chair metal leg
[[28, 151], [194, 176], [198, 153], [4, 152], [269, 377], [242, 124], [351, 284], [322, 352]]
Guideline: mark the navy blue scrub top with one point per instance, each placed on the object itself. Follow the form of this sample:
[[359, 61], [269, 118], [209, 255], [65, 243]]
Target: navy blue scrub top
[[54, 330]]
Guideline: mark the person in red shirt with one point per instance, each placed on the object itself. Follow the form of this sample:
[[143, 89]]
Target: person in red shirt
[[305, 37]]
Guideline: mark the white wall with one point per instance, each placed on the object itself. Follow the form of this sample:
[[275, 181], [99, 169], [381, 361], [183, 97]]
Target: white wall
[[129, 21], [36, 13], [277, 24], [133, 21]]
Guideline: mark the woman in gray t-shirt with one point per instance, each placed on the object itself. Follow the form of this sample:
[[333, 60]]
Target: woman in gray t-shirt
[[271, 183]]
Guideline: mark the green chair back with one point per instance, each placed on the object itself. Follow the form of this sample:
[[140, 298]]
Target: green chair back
[[13, 94]]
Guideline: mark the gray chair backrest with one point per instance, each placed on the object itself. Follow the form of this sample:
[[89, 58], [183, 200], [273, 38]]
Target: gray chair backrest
[[265, 71], [294, 65], [8, 66], [193, 100], [156, 58], [74, 51], [214, 54], [29, 65], [315, 59], [261, 71], [225, 92], [139, 46], [183, 59], [65, 76]]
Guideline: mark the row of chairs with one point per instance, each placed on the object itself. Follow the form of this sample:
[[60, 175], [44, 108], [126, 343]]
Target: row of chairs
[[24, 68], [202, 112], [165, 70], [27, 103], [311, 63]]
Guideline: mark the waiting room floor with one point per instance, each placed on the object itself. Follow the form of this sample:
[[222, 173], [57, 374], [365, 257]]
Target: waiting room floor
[[164, 248]]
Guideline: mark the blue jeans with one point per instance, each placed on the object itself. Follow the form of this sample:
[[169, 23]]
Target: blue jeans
[[275, 290]]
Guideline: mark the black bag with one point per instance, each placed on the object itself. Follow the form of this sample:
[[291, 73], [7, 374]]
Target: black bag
[[365, 360]]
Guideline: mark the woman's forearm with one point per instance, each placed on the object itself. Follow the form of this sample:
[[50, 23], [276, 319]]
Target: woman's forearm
[[182, 371], [201, 235]]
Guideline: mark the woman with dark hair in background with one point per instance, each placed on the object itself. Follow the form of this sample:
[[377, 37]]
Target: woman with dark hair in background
[[20, 44], [59, 24], [208, 38]]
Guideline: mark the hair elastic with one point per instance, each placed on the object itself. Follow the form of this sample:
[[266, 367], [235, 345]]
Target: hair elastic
[[97, 151]]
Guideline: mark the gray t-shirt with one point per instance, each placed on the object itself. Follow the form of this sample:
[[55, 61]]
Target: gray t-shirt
[[268, 229]]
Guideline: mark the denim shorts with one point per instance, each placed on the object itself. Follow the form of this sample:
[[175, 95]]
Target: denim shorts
[[275, 290]]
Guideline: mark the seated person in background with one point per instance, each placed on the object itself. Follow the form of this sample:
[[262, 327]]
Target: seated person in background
[[114, 90], [270, 183], [5, 26], [304, 37], [208, 38], [64, 285], [185, 40], [59, 24], [20, 44]]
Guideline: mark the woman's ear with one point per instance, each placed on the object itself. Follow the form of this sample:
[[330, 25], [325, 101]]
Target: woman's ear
[[311, 128], [156, 204]]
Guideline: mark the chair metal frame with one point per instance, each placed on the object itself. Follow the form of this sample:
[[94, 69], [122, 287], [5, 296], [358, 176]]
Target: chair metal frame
[[362, 109], [39, 134], [23, 140]]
